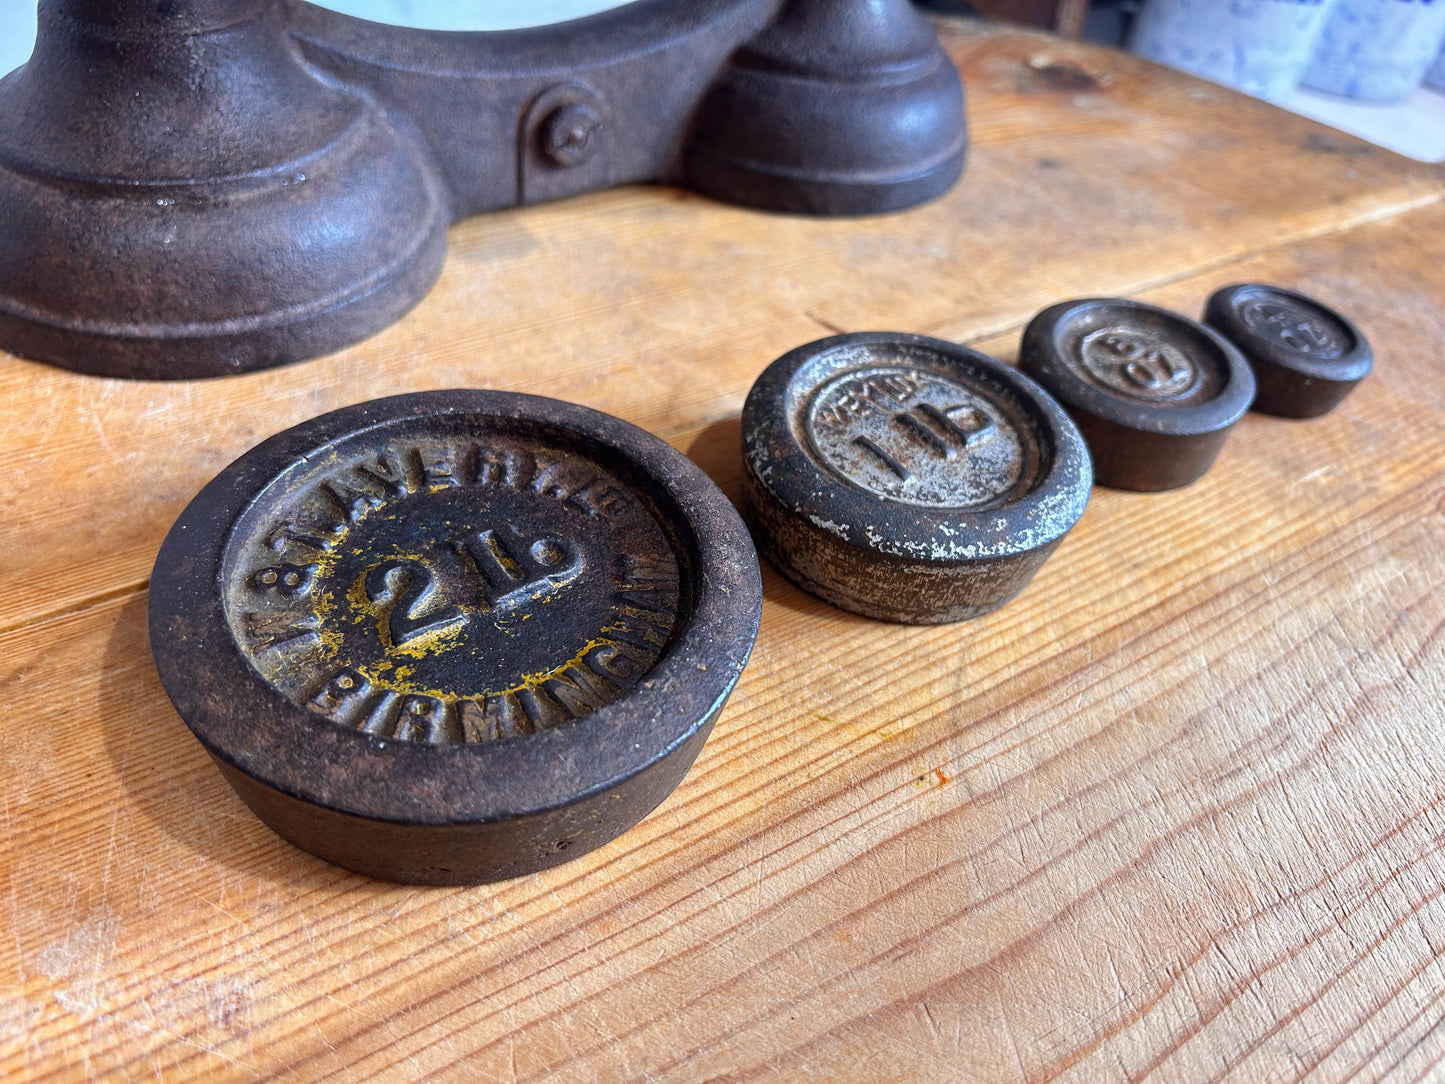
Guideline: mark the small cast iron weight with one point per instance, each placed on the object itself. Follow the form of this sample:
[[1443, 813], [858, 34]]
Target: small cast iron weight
[[1154, 393], [1306, 357], [906, 478], [458, 636]]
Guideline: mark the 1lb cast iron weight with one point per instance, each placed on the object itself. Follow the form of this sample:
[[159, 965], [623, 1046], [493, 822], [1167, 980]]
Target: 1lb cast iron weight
[[1306, 357], [1154, 393], [907, 478], [454, 637]]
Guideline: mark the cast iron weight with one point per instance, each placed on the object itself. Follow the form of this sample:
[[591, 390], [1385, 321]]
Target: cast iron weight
[[907, 478], [201, 187], [1306, 357], [455, 637], [1154, 393]]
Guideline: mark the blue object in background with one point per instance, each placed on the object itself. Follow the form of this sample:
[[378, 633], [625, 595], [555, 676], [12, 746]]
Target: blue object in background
[[1257, 46], [1436, 75], [1377, 50]]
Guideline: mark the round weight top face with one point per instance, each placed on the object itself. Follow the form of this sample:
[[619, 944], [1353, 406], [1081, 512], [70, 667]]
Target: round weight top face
[[917, 435], [1138, 366], [1293, 323], [914, 448], [462, 611], [424, 583]]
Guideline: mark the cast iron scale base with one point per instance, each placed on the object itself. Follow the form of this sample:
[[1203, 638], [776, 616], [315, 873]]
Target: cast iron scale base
[[192, 188]]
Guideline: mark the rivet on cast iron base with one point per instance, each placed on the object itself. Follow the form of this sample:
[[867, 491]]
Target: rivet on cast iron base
[[907, 478], [455, 637], [1306, 356], [202, 187], [570, 134], [1154, 393]]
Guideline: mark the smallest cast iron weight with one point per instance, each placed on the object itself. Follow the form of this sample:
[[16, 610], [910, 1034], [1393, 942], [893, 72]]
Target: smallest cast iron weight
[[1154, 393], [1306, 357], [906, 478]]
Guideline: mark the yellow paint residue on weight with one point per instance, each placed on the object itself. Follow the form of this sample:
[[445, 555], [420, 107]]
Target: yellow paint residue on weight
[[323, 606], [424, 644], [397, 680]]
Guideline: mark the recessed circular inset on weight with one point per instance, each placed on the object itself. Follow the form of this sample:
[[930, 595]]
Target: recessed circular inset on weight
[[457, 636], [1306, 357], [907, 478], [1153, 392], [1137, 366]]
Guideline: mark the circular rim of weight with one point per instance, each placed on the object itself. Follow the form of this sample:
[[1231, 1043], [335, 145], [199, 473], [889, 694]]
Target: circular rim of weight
[[1041, 355], [250, 726], [1222, 314], [869, 523]]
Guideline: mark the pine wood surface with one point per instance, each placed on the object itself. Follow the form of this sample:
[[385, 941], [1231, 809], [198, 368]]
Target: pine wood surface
[[1175, 810]]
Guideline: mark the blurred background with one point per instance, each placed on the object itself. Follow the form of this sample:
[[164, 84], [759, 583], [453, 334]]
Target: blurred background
[[1369, 67]]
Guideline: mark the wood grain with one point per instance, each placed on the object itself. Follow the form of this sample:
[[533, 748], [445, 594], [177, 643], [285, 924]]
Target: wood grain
[[1175, 811]]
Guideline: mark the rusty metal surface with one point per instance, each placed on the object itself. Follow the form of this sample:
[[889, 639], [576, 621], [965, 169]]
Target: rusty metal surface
[[204, 187], [793, 123], [181, 197], [1154, 393], [907, 478], [456, 636], [1305, 355]]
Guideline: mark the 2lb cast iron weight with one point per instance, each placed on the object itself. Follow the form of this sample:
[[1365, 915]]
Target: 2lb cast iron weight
[[455, 637], [907, 478], [1306, 357], [1154, 393]]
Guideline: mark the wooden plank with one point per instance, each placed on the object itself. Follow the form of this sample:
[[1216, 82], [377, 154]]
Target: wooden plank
[[1177, 808], [1092, 172]]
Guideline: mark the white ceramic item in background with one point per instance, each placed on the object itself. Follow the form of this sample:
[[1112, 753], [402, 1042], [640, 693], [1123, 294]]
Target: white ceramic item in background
[[17, 17], [1376, 50], [469, 14], [1257, 46]]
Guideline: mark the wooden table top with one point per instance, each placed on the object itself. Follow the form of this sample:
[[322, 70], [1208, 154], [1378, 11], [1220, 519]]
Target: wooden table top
[[1177, 808]]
